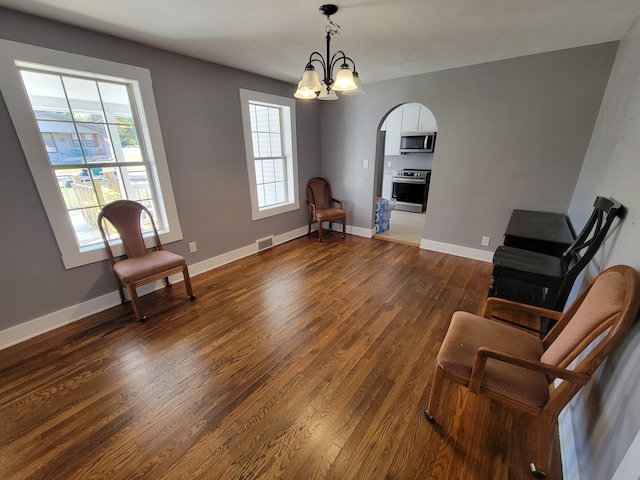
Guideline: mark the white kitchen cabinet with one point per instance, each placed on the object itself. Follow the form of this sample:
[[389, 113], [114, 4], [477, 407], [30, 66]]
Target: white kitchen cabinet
[[417, 118], [393, 124]]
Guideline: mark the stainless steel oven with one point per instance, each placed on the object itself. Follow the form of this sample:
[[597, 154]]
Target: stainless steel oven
[[410, 189]]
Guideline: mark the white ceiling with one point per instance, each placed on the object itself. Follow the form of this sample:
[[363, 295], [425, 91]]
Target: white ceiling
[[386, 38]]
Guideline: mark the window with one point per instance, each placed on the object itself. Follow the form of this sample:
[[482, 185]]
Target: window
[[104, 161], [90, 133], [269, 130]]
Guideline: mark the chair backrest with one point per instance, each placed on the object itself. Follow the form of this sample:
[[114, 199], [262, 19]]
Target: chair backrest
[[125, 216], [319, 193], [587, 243], [600, 317]]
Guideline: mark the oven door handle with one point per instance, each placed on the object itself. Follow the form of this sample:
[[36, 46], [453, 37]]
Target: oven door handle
[[413, 181]]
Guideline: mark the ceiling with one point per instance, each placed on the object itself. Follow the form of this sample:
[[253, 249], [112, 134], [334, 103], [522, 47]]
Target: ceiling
[[386, 38]]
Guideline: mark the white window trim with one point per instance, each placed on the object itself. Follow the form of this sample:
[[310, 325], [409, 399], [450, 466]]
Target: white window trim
[[289, 132], [26, 127]]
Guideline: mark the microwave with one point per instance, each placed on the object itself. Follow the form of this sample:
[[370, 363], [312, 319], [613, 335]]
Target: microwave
[[418, 143]]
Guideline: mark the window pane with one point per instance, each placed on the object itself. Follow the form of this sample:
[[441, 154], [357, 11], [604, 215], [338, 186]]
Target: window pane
[[84, 190], [66, 178], [262, 118], [254, 143], [128, 143], [259, 175], [85, 223], [145, 222], [49, 143], [84, 100], [268, 171], [276, 145], [116, 103], [94, 142], [279, 169], [138, 180], [62, 135], [111, 186], [270, 194], [264, 145], [274, 120], [46, 96], [261, 200], [252, 117]]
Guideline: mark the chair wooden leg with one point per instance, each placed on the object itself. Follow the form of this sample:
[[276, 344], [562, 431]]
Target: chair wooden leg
[[187, 282], [134, 301], [319, 231], [434, 395], [544, 445], [120, 290], [344, 227]]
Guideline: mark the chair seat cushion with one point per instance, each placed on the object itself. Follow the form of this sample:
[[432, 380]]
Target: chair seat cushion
[[329, 214], [528, 261], [132, 270], [468, 332]]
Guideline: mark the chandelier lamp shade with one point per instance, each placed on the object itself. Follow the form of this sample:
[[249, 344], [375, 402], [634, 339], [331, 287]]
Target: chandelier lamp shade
[[346, 81]]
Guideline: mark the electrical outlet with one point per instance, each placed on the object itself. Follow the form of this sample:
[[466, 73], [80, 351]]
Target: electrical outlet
[[366, 163], [389, 164], [192, 247], [485, 241]]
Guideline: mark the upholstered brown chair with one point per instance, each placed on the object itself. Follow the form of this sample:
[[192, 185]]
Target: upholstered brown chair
[[141, 265], [519, 369], [323, 207]]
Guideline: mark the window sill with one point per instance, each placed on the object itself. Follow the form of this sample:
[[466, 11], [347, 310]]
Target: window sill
[[270, 212]]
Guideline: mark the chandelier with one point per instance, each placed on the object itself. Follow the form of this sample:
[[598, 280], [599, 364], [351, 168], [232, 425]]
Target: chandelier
[[346, 81]]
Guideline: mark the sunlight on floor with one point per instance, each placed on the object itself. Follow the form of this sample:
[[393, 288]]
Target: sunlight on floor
[[405, 226]]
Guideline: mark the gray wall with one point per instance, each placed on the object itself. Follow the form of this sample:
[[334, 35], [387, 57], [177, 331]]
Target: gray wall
[[199, 110], [606, 414], [511, 134]]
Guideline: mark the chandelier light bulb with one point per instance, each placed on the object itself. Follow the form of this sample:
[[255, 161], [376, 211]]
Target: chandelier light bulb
[[344, 80], [327, 93], [304, 94], [310, 80], [359, 90]]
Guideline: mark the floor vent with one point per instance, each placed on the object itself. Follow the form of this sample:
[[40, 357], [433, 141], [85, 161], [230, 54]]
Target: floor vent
[[265, 243]]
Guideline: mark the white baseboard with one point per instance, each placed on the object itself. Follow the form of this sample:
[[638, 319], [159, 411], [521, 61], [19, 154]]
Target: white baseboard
[[357, 231], [51, 321], [38, 326], [458, 250]]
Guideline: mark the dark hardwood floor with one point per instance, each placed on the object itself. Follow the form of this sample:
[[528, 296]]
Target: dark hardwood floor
[[307, 361]]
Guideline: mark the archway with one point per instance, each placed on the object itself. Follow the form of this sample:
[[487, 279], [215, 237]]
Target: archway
[[405, 147]]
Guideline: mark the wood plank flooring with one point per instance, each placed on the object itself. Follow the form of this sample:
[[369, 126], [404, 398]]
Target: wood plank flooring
[[306, 361]]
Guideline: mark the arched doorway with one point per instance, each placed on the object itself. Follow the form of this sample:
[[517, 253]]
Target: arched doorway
[[404, 158]]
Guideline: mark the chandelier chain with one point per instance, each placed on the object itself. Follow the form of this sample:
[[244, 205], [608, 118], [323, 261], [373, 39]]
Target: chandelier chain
[[333, 28]]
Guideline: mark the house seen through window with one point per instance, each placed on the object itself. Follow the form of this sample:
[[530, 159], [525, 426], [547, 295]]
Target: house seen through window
[[90, 133]]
